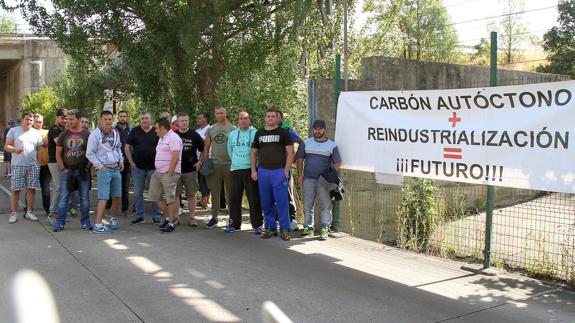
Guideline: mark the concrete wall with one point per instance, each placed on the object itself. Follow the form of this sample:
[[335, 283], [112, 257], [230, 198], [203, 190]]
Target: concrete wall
[[34, 64], [369, 209]]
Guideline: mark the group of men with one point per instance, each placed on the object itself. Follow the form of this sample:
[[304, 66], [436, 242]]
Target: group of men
[[172, 157]]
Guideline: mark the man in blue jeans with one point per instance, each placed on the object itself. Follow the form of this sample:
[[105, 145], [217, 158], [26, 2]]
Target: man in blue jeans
[[272, 147], [75, 170], [140, 150], [105, 153], [320, 154]]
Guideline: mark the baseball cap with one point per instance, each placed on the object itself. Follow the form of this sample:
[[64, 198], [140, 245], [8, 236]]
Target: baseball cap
[[12, 122], [318, 124]]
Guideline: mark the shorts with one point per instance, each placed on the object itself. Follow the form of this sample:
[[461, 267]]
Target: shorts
[[109, 183], [163, 185], [7, 157], [24, 177], [189, 181]]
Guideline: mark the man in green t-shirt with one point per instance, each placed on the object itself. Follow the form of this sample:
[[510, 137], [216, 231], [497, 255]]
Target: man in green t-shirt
[[216, 147]]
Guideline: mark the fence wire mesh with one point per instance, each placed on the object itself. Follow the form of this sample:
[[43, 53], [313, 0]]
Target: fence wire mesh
[[533, 231]]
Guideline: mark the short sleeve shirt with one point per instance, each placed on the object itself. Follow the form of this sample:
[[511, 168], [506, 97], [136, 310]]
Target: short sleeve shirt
[[30, 141], [318, 156], [271, 147], [166, 145], [74, 145], [143, 146], [219, 143], [192, 142]]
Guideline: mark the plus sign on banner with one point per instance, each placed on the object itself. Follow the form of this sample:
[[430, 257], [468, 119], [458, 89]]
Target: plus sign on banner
[[517, 136]]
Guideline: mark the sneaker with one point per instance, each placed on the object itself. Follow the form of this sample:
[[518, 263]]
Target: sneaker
[[51, 219], [156, 221], [58, 227], [285, 235], [87, 227], [166, 222], [168, 227], [102, 229], [13, 217], [212, 223], [30, 216], [269, 233], [294, 226], [258, 230], [324, 234], [114, 223], [193, 223], [229, 229], [307, 231], [137, 221]]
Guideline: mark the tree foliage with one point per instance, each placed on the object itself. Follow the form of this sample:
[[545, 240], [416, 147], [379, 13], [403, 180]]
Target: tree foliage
[[44, 102], [559, 42], [175, 54], [412, 29], [7, 23], [512, 31]]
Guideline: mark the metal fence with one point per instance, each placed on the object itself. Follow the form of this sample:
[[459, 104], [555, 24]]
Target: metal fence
[[533, 231]]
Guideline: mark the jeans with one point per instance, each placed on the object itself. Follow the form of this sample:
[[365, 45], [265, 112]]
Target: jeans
[[45, 178], [55, 195], [140, 178], [312, 189], [273, 188], [84, 189]]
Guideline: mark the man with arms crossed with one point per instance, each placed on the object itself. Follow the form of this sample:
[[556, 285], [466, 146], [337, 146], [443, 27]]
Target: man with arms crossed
[[320, 154], [168, 168], [273, 148], [75, 168], [105, 153]]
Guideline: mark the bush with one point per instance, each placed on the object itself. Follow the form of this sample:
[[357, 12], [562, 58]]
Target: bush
[[416, 215]]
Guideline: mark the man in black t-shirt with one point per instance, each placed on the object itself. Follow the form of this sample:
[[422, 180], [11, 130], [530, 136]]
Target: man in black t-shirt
[[273, 149], [140, 151], [192, 143], [53, 134]]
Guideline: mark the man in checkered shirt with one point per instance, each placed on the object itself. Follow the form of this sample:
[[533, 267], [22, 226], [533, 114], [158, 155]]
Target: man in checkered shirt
[[24, 142]]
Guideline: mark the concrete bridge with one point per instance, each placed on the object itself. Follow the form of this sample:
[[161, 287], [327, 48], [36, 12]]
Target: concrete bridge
[[27, 63]]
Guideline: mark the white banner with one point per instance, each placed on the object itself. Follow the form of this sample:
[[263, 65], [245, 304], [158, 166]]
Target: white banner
[[516, 136]]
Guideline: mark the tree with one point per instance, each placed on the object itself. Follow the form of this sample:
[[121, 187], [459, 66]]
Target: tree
[[412, 29], [559, 42], [174, 54], [7, 23], [512, 31], [44, 102]]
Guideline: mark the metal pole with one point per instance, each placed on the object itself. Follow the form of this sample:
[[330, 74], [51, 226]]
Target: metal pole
[[337, 91], [490, 189], [345, 52]]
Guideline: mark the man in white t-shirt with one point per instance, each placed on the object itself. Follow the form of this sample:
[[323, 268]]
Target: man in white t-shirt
[[24, 143]]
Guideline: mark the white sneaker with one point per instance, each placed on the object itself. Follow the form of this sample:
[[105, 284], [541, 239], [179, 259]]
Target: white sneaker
[[294, 226], [31, 216], [13, 217]]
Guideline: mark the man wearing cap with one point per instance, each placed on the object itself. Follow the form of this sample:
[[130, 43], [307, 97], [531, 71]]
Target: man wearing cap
[[320, 154], [7, 155]]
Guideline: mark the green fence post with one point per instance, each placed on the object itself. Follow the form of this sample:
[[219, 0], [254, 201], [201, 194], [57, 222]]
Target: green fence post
[[490, 189], [337, 91]]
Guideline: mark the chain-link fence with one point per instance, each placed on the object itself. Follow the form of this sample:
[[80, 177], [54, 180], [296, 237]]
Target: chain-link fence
[[533, 231]]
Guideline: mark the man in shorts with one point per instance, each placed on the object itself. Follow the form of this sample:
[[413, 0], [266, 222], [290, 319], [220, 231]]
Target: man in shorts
[[23, 142], [168, 169]]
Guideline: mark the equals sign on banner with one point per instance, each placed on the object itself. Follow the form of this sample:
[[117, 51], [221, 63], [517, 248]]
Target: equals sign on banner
[[452, 153]]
